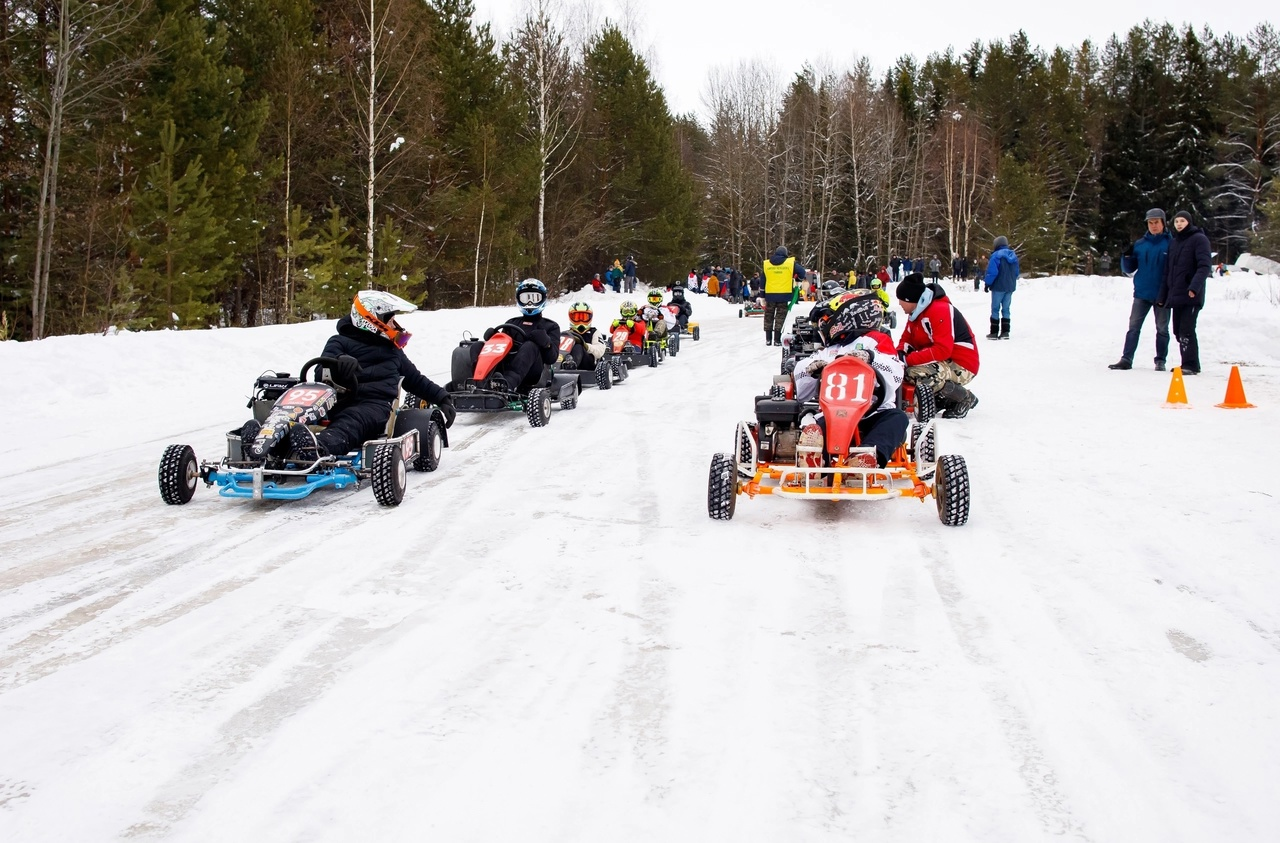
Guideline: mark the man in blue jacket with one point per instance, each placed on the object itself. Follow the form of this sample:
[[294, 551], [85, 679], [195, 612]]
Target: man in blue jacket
[[1001, 280], [1145, 261]]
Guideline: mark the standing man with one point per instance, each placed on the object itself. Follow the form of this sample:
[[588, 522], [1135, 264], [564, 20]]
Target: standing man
[[895, 263], [1001, 280], [629, 274], [1145, 261], [935, 267], [1183, 289], [781, 279]]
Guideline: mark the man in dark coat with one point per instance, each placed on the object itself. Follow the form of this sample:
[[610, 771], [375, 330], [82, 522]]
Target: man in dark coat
[[521, 369], [1189, 264], [1145, 260]]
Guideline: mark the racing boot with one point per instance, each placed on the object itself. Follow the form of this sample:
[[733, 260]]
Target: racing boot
[[1004, 329], [303, 446], [956, 400], [994, 333]]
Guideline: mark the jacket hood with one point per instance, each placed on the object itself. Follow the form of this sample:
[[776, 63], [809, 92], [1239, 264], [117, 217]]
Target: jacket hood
[[779, 256]]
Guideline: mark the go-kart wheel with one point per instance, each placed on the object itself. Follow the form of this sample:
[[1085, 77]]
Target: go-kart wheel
[[431, 446], [653, 358], [926, 405], [951, 490], [788, 365], [739, 313], [722, 487], [697, 333], [537, 407], [178, 474], [923, 446], [389, 475], [570, 402], [604, 377], [747, 449]]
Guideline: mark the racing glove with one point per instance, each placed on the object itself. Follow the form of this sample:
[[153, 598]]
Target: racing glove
[[346, 373], [449, 411], [861, 353], [815, 367]]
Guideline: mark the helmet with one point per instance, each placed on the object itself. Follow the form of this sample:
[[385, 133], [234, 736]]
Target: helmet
[[375, 311], [677, 293], [627, 310], [850, 316], [531, 296], [876, 284], [580, 317], [655, 298]]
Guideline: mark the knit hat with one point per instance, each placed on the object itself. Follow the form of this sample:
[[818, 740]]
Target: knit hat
[[1002, 242], [1186, 215], [911, 288], [779, 254], [1156, 214]]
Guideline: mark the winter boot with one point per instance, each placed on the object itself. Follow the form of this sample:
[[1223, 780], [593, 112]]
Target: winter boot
[[1004, 329], [303, 446], [768, 338], [995, 330], [1124, 363], [777, 337], [1159, 365], [955, 400]]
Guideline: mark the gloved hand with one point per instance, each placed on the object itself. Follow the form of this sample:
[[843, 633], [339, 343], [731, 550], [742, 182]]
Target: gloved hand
[[450, 412], [861, 353], [986, 288], [488, 335], [815, 367], [346, 373]]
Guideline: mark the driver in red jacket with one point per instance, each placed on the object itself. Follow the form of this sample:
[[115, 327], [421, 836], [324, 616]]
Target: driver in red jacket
[[939, 347]]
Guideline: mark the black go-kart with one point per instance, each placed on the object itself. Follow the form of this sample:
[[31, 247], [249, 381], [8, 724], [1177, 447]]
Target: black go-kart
[[265, 470], [482, 389], [603, 375]]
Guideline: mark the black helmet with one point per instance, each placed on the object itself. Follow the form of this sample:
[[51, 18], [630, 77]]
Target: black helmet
[[849, 316]]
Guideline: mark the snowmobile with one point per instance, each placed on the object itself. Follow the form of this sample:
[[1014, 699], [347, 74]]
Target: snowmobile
[[264, 470], [482, 389], [603, 376], [768, 458]]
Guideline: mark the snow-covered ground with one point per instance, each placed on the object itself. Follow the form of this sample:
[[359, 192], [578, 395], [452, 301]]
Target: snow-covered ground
[[550, 640]]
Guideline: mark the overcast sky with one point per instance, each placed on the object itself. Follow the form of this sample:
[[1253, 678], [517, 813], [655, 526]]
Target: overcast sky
[[685, 39]]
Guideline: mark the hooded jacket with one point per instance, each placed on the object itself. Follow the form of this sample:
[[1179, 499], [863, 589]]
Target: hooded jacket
[[939, 333], [1189, 264], [1003, 271], [778, 259], [382, 365]]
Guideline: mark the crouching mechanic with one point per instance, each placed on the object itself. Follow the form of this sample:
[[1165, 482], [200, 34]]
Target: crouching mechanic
[[521, 369], [853, 328], [938, 345], [588, 343], [369, 346]]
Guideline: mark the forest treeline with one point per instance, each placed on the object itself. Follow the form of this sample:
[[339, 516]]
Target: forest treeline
[[172, 163]]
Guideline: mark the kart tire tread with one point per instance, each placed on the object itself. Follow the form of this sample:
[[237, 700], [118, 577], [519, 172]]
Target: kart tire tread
[[722, 487], [178, 474], [388, 474]]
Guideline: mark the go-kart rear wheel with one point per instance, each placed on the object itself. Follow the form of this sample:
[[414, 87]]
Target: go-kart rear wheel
[[653, 358], [778, 392], [537, 407], [951, 490], [722, 487], [570, 402], [389, 475], [697, 333], [604, 377], [431, 446], [926, 405], [178, 474]]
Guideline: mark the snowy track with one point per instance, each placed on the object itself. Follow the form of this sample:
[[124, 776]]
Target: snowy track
[[549, 639]]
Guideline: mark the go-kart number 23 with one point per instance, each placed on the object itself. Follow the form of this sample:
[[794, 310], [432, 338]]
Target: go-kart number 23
[[837, 386], [302, 396]]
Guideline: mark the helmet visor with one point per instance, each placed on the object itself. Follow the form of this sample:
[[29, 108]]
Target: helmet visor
[[530, 298], [580, 317]]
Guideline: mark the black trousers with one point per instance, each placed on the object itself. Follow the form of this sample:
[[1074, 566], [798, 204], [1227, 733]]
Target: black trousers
[[522, 368], [351, 426], [1184, 328]]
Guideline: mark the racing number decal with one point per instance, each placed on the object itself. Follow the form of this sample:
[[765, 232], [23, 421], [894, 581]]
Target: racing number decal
[[837, 384], [492, 347], [566, 344], [302, 397]]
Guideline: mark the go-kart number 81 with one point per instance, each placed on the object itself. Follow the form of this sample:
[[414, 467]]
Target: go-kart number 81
[[302, 396], [837, 386]]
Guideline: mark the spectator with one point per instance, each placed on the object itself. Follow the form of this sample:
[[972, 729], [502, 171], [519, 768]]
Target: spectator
[[1189, 265], [979, 266], [895, 264], [782, 276], [1001, 280], [1146, 262], [935, 267], [1104, 261], [629, 274]]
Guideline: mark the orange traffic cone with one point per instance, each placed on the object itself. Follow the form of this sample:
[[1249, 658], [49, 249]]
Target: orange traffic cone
[[1177, 399], [1235, 399]]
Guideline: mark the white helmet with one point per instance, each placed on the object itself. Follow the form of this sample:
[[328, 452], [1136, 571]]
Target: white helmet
[[375, 311]]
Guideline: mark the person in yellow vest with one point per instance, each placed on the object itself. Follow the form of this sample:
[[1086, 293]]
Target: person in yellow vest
[[782, 277]]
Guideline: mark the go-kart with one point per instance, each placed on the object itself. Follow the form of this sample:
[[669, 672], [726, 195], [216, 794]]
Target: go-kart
[[264, 470], [802, 341], [751, 307], [691, 328], [602, 376], [620, 352], [768, 458], [482, 389], [662, 345]]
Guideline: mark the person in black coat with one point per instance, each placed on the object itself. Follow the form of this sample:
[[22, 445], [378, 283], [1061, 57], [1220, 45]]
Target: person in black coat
[[683, 306], [1183, 290], [540, 345], [369, 345]]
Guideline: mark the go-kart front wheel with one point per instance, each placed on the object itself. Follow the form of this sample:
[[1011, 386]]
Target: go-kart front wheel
[[537, 407], [951, 490], [432, 445], [389, 475], [923, 446], [722, 487], [604, 377], [697, 333], [178, 474]]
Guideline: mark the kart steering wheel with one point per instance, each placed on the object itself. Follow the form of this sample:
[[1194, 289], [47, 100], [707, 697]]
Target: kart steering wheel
[[332, 362], [514, 331]]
